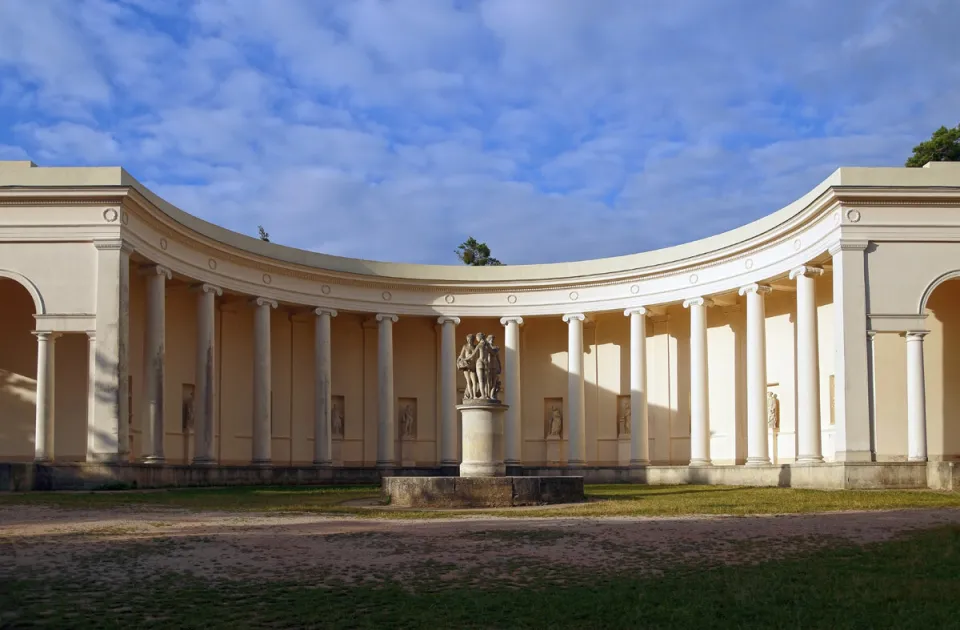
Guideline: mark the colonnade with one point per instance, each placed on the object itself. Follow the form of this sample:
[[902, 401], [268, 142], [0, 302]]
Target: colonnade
[[807, 381]]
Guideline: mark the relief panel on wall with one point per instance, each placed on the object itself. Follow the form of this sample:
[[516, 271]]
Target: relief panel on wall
[[553, 428], [407, 430], [623, 417], [338, 411]]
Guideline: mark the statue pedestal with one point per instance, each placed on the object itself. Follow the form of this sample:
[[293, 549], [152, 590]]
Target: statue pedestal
[[553, 450], [623, 450], [408, 456], [482, 439]]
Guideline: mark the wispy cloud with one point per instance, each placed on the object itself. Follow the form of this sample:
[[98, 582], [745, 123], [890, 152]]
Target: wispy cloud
[[552, 129]]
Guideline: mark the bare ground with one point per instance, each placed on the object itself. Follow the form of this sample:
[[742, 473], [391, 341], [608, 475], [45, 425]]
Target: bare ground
[[117, 545]]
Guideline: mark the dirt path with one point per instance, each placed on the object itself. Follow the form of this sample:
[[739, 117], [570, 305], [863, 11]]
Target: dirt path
[[121, 544]]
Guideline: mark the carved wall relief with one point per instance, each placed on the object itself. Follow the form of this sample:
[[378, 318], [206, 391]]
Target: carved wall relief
[[338, 412], [623, 416], [773, 411], [407, 418], [553, 417]]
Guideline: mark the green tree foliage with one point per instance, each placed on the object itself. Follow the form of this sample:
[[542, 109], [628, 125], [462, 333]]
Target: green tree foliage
[[470, 252], [943, 146], [264, 236]]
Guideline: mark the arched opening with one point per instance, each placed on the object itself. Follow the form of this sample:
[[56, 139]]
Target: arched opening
[[942, 369], [18, 371]]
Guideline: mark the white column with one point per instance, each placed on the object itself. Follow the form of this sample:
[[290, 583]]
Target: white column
[[153, 364], [512, 433], [808, 367], [576, 407], [851, 386], [205, 371], [448, 390], [108, 430], [916, 398], [757, 452], [262, 382], [699, 387], [91, 391], [639, 433], [322, 393], [386, 456], [43, 443]]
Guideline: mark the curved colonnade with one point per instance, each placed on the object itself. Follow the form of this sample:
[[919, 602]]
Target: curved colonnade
[[755, 347]]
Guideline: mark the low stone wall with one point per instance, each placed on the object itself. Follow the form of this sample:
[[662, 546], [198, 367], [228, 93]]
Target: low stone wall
[[475, 492], [831, 476]]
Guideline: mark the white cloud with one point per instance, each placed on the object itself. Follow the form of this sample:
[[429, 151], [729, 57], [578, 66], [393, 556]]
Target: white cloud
[[552, 129]]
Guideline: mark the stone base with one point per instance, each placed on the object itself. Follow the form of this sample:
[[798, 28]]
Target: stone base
[[482, 431], [553, 451], [480, 492]]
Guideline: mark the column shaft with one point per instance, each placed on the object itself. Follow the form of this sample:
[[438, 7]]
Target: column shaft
[[43, 451], [153, 365], [323, 394], [262, 382], [757, 451], [576, 405], [808, 367], [916, 399], [205, 394], [448, 390], [386, 450], [512, 433], [639, 433], [699, 387]]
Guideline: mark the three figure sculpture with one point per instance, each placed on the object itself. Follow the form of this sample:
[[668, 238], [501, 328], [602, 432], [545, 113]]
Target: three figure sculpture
[[479, 360]]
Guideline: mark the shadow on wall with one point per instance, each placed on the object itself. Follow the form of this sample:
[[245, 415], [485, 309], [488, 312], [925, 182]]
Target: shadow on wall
[[944, 307], [18, 372]]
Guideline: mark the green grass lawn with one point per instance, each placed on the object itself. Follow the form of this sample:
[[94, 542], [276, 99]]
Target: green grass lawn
[[604, 500], [913, 582]]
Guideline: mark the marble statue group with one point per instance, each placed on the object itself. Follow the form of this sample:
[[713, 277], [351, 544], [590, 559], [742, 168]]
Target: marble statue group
[[479, 360]]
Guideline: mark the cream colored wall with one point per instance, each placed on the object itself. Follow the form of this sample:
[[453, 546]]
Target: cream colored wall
[[942, 372], [891, 396], [18, 373]]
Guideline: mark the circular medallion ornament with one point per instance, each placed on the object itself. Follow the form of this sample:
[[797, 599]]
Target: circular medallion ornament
[[853, 216], [635, 289], [267, 278], [748, 263], [387, 296], [163, 244], [212, 263], [694, 278], [325, 289], [512, 299], [574, 295], [448, 299], [110, 215], [797, 244]]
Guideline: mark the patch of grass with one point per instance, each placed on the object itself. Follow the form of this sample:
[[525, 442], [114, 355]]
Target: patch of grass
[[603, 501], [913, 582]]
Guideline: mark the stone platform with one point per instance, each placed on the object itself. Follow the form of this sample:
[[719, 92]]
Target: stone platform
[[476, 492]]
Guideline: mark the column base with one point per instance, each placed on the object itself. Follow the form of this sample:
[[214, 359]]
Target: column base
[[759, 461], [576, 463], [386, 464], [809, 459], [263, 463], [43, 460], [917, 459], [204, 461], [154, 460], [639, 463], [323, 464], [700, 462]]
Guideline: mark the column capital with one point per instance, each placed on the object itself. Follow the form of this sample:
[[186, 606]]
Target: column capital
[[639, 310], [857, 245], [114, 245], [382, 317], [569, 317], [511, 318], [46, 335], [152, 269], [323, 310], [697, 301], [203, 287], [448, 319], [915, 335], [757, 288], [806, 270], [262, 301]]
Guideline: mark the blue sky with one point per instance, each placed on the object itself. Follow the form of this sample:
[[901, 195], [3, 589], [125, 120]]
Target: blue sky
[[554, 130]]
